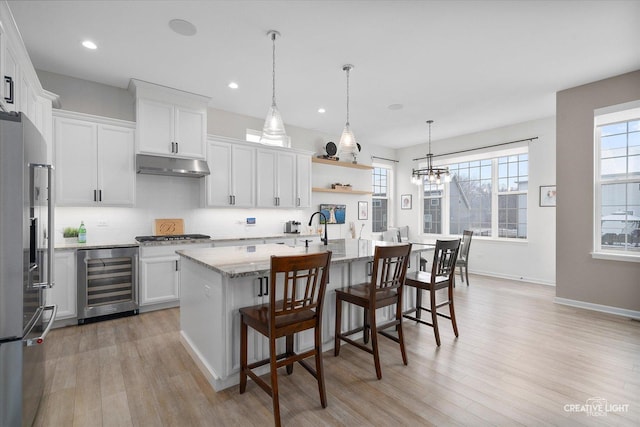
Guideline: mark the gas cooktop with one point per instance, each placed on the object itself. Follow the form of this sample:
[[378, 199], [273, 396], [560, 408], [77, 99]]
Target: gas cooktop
[[174, 237]]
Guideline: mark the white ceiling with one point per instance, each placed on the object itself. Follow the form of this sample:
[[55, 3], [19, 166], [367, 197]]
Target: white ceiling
[[468, 65]]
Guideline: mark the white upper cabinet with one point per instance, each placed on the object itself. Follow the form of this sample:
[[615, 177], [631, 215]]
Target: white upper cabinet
[[169, 122], [20, 89], [276, 178], [303, 180], [94, 161], [232, 179]]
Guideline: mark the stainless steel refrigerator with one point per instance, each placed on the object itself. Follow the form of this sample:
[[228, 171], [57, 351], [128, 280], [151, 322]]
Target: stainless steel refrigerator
[[26, 267]]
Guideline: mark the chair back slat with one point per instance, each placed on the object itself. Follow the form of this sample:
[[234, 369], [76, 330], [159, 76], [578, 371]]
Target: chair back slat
[[444, 258], [302, 280], [389, 267]]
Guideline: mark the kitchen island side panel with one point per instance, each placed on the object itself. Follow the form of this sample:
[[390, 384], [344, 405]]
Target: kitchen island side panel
[[202, 320]]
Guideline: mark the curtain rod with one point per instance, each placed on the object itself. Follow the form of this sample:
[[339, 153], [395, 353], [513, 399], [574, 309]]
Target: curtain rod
[[479, 148], [384, 158]]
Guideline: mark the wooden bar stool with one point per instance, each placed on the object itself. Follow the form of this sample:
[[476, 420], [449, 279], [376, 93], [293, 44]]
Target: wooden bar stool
[[300, 282], [384, 289], [442, 276]]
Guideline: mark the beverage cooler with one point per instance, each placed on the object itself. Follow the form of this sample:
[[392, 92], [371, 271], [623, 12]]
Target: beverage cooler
[[107, 282]]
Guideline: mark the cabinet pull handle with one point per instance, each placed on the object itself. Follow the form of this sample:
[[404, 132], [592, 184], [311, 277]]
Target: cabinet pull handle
[[266, 279], [369, 268], [234, 200], [177, 147], [298, 201], [260, 294], [177, 269], [9, 99], [99, 195], [95, 195]]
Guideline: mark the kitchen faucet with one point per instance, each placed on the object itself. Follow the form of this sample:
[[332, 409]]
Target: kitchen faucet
[[325, 240]]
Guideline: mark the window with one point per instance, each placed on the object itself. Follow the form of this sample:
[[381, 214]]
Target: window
[[380, 200], [432, 207], [253, 135], [513, 180], [617, 177], [470, 197], [486, 195]]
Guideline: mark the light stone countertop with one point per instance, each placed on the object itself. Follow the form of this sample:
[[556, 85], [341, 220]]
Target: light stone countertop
[[240, 261]]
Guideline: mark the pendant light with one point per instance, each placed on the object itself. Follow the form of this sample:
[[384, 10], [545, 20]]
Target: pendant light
[[434, 174], [273, 132], [348, 144]]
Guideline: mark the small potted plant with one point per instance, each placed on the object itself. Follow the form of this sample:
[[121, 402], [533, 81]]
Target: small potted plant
[[70, 235]]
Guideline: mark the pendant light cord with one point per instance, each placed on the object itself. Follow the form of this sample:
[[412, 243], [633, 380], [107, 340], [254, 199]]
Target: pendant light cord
[[348, 69], [273, 71]]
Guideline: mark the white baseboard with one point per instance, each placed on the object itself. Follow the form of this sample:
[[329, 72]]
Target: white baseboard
[[510, 277], [632, 314]]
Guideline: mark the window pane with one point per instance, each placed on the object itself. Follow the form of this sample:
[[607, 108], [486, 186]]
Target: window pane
[[379, 215], [620, 217], [512, 216], [470, 203]]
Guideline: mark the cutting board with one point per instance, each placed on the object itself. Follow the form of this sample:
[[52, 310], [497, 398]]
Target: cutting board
[[168, 226]]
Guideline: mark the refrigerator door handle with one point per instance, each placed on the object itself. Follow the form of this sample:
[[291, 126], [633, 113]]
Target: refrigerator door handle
[[50, 214], [40, 339]]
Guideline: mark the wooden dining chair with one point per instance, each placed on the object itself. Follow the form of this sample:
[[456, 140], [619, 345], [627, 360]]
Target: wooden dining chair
[[295, 305], [463, 255], [384, 289], [441, 277]]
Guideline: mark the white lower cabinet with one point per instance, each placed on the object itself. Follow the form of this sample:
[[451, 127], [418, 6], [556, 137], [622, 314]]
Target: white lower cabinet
[[159, 279], [64, 292]]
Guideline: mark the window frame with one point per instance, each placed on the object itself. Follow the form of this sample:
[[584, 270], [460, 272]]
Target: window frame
[[622, 113]]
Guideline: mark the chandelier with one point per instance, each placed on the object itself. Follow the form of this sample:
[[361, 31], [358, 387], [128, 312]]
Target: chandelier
[[434, 174], [348, 143], [273, 132]]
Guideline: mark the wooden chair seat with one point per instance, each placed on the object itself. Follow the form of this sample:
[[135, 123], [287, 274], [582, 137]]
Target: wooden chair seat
[[300, 282], [257, 317], [385, 289], [441, 277]]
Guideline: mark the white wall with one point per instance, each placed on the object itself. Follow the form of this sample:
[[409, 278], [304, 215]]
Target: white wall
[[533, 260]]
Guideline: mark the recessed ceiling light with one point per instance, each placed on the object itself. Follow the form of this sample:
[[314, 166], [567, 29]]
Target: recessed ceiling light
[[233, 85], [89, 44], [395, 107], [321, 110], [183, 27]]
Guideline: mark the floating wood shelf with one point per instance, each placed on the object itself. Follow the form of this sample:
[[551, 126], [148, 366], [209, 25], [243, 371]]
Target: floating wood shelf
[[338, 190], [337, 163]]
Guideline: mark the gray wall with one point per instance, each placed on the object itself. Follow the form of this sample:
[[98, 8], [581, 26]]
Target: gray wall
[[579, 277], [89, 97]]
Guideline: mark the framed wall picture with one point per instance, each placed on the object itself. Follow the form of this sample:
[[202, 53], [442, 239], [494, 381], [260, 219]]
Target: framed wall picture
[[405, 201], [547, 195], [363, 210]]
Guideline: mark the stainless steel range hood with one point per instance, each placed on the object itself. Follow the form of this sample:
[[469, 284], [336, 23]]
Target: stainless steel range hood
[[157, 165]]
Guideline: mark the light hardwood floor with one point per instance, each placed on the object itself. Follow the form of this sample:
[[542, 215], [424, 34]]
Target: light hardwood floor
[[519, 360]]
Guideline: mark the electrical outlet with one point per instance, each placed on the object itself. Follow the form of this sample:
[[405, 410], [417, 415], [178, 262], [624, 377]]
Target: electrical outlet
[[102, 224], [207, 291]]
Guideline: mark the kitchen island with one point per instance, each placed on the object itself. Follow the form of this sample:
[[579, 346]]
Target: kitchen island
[[216, 282]]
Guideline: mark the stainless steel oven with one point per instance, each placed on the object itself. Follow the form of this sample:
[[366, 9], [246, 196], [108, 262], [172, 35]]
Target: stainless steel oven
[[107, 282]]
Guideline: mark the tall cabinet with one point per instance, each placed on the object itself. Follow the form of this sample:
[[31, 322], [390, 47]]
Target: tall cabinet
[[94, 158]]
